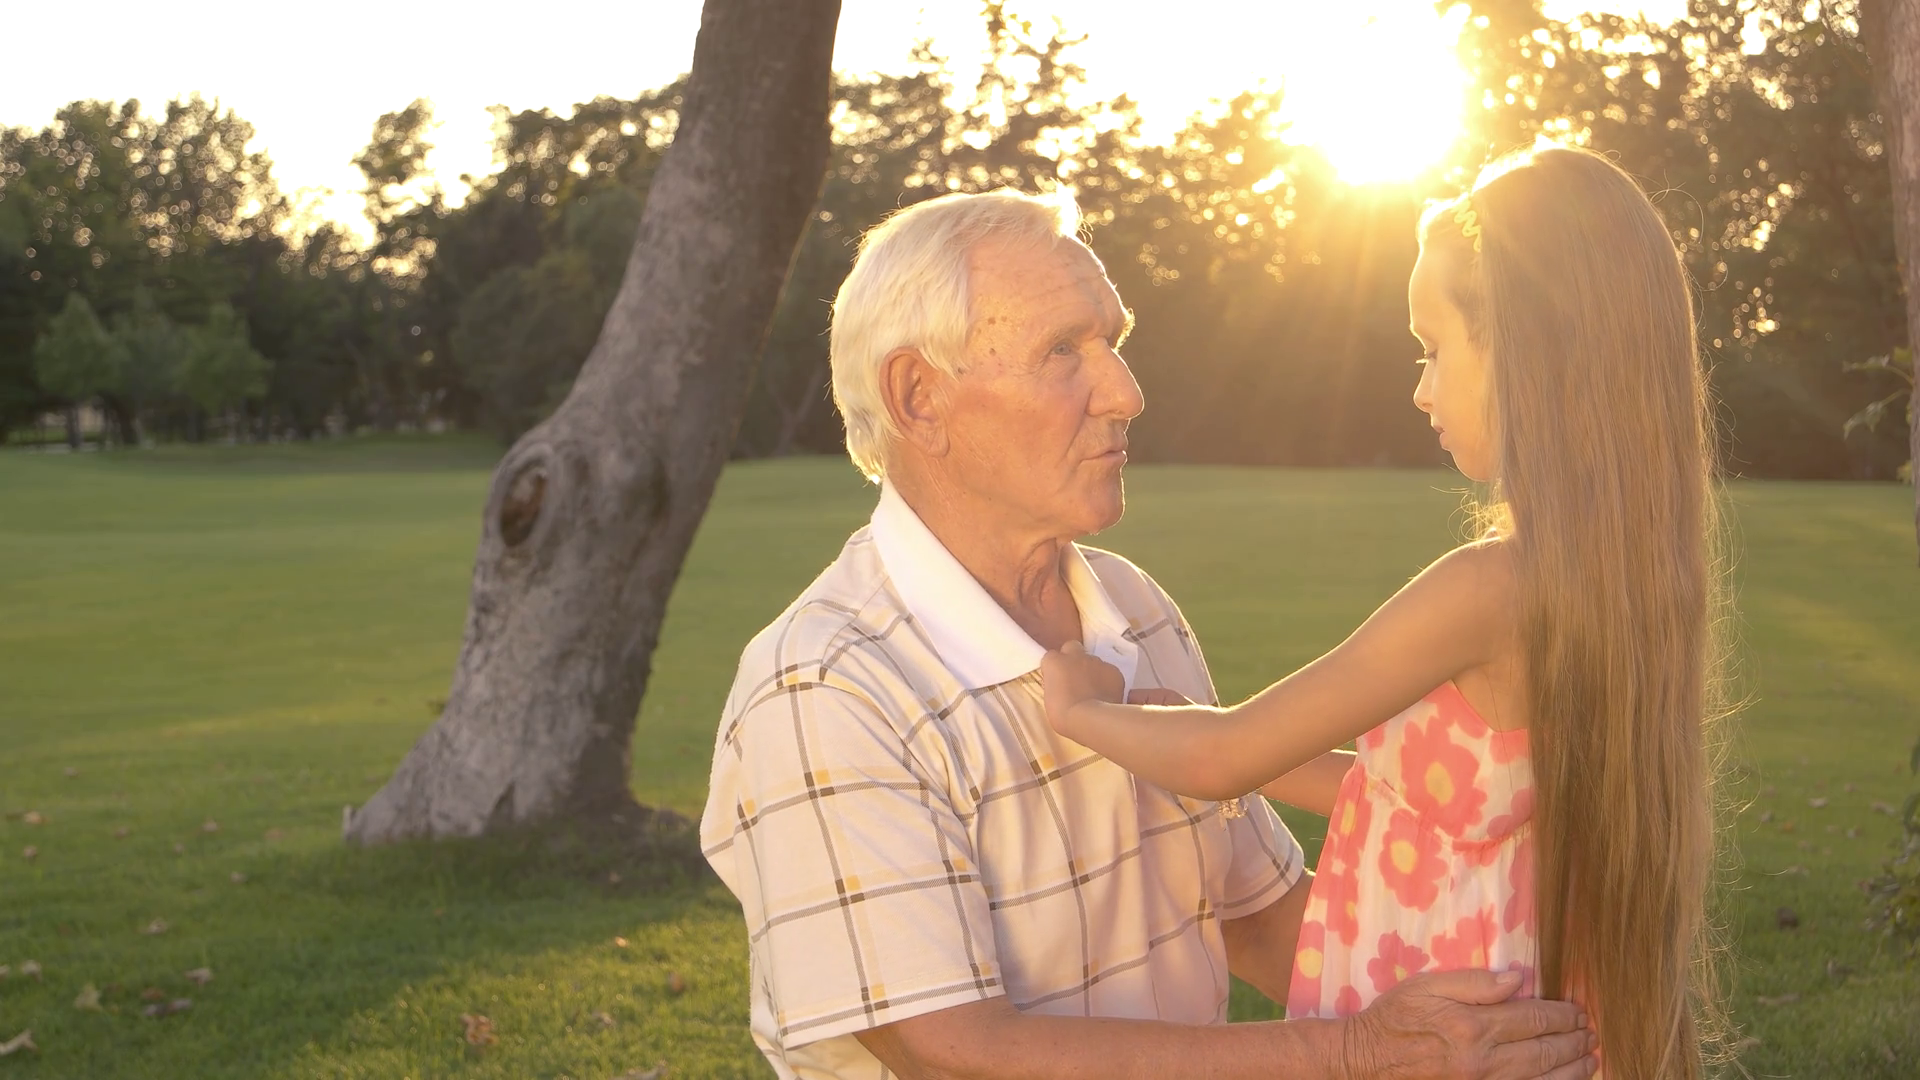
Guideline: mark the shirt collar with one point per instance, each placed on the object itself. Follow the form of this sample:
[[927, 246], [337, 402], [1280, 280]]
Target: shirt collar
[[977, 640]]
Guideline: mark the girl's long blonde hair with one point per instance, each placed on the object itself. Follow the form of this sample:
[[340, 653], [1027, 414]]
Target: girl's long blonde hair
[[1572, 286]]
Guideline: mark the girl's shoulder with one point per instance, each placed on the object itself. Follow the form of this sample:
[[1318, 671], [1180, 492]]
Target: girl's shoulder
[[1476, 578]]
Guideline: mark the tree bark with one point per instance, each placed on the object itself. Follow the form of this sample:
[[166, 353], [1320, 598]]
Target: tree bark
[[591, 513], [1891, 31]]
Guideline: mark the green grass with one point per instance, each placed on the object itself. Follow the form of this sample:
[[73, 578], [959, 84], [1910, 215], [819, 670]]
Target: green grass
[[252, 637]]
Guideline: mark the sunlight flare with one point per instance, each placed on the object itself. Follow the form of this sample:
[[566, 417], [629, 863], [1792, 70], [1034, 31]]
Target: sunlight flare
[[1377, 88]]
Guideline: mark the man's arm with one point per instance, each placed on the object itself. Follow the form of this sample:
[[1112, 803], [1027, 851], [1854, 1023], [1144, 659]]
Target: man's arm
[[1260, 946], [1456, 1025]]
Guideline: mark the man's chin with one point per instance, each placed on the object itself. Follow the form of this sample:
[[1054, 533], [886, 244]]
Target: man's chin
[[1102, 511]]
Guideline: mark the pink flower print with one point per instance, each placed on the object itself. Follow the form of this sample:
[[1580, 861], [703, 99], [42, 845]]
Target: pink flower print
[[1467, 947], [1410, 862], [1346, 1002], [1341, 888], [1507, 746], [1346, 837], [1352, 814], [1309, 964], [1519, 910], [1375, 739], [1441, 777], [1499, 829], [1397, 961]]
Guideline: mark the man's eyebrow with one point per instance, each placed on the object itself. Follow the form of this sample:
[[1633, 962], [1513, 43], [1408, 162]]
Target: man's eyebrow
[[1126, 329]]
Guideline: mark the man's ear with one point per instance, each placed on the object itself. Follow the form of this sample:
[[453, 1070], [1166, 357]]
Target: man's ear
[[915, 394]]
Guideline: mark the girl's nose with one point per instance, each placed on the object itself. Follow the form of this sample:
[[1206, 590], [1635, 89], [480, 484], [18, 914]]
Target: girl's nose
[[1423, 390]]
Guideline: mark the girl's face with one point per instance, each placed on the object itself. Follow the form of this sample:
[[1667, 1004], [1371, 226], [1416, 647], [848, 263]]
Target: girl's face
[[1453, 376]]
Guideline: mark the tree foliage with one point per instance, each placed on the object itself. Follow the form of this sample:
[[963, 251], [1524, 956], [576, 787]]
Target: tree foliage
[[1269, 294]]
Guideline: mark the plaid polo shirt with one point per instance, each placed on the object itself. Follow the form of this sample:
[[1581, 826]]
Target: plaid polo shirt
[[905, 833]]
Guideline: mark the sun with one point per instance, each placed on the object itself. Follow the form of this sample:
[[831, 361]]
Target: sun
[[1376, 87]]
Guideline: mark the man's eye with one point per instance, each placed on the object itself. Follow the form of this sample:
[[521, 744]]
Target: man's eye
[[1064, 348]]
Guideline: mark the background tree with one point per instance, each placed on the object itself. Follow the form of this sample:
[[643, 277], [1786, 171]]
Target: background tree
[[1892, 33], [591, 512], [77, 360], [219, 369]]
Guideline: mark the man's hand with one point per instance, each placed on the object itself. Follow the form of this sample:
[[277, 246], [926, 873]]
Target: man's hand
[[1459, 1025], [1070, 675], [1155, 695]]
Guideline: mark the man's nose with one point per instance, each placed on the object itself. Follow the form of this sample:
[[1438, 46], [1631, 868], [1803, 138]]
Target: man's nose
[[1117, 392]]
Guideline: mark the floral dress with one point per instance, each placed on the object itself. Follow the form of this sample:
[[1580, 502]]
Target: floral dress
[[1428, 864]]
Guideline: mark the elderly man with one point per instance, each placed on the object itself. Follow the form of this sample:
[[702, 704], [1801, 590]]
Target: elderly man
[[936, 885]]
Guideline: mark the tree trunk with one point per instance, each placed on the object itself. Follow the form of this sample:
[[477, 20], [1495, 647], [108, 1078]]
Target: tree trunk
[[1891, 31], [73, 427], [591, 513]]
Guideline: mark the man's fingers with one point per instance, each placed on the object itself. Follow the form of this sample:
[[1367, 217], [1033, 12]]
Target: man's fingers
[[1565, 1056], [1516, 1021], [1471, 987]]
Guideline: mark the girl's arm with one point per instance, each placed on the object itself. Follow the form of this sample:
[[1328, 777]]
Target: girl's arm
[[1313, 786], [1457, 615]]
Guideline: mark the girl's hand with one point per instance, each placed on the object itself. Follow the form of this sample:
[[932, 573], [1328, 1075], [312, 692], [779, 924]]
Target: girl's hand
[[1070, 676]]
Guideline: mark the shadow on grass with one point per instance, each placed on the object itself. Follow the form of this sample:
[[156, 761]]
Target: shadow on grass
[[318, 956]]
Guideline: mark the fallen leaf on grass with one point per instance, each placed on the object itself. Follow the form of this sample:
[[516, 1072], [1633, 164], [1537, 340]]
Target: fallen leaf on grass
[[1883, 808], [274, 834], [179, 848], [1787, 918], [619, 943], [121, 833], [200, 976], [157, 926], [4, 969], [33, 817], [71, 772], [1787, 826], [676, 984], [1847, 787], [605, 1020], [613, 877], [1818, 802], [658, 1072], [177, 1005], [479, 1030], [30, 967], [29, 852], [1766, 817], [1837, 971], [237, 878], [89, 999], [1746, 1044], [209, 826], [22, 1041], [153, 993], [1775, 1002], [1853, 834]]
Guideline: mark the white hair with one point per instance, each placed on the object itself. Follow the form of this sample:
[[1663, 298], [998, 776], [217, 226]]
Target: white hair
[[908, 289]]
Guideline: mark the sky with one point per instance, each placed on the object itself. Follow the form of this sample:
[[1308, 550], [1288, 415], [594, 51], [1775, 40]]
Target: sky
[[312, 78]]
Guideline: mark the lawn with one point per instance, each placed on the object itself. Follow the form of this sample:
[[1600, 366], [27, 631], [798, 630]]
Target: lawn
[[206, 653]]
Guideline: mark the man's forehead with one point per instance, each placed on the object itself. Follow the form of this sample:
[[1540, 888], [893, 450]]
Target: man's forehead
[[1038, 275]]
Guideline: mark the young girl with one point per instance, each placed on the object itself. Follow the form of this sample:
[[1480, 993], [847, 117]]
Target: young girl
[[1532, 784]]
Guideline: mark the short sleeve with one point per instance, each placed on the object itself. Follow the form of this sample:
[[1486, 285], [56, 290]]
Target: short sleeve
[[1267, 860], [862, 896]]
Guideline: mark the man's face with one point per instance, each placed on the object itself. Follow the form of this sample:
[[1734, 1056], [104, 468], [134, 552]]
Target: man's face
[[1037, 420]]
